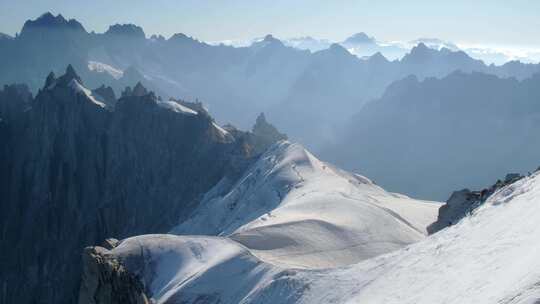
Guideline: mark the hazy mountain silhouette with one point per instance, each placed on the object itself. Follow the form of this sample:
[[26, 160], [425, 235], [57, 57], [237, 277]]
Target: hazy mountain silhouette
[[428, 138], [236, 83]]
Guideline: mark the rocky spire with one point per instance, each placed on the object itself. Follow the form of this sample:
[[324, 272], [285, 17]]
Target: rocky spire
[[267, 131], [70, 72], [51, 79], [139, 90], [68, 76]]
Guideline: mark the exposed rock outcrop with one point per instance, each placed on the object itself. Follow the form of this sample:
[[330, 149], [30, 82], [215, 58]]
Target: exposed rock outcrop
[[463, 202], [106, 280], [265, 133]]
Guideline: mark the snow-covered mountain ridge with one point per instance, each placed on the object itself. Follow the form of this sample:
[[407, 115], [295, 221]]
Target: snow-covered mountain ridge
[[489, 257], [294, 210], [289, 211]]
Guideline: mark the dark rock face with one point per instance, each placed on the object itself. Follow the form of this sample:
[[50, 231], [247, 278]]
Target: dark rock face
[[75, 172], [463, 202], [105, 280], [265, 133]]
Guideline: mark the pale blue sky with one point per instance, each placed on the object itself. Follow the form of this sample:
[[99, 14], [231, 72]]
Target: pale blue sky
[[493, 22]]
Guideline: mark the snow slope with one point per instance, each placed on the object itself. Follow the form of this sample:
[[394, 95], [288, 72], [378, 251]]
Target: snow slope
[[489, 257], [292, 210], [194, 269], [176, 107], [80, 89]]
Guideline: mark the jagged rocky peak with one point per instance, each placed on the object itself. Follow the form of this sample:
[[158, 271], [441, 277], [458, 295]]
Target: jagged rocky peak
[[139, 90], [70, 83], [263, 128], [50, 22], [70, 75], [265, 133], [126, 30], [50, 80], [63, 80]]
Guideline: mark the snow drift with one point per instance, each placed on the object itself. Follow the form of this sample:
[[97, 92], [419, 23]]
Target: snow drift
[[489, 257]]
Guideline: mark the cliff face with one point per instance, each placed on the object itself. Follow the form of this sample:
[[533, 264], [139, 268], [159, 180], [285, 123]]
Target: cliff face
[[74, 171]]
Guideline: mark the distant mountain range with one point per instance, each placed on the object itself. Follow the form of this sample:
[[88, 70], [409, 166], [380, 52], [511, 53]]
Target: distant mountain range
[[463, 130], [264, 76], [309, 95], [362, 45]]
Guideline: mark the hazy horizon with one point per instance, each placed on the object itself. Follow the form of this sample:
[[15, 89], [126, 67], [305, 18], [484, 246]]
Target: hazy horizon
[[479, 24]]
